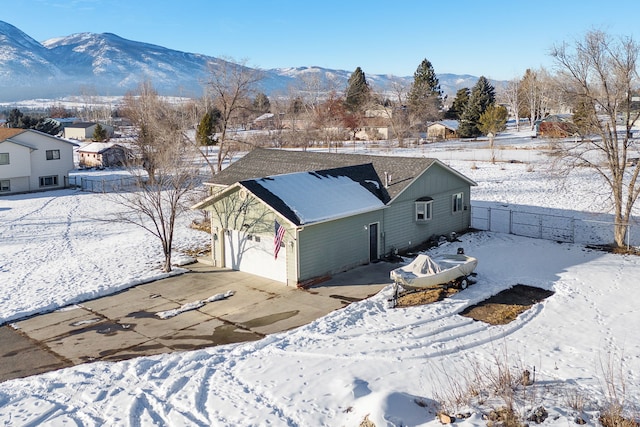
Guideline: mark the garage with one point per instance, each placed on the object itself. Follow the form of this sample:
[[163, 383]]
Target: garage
[[254, 254]]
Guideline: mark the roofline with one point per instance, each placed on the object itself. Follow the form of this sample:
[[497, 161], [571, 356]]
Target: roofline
[[239, 186], [347, 215], [435, 161], [22, 144]]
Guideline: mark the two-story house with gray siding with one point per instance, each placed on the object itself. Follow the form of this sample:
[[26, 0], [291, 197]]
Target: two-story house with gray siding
[[337, 211]]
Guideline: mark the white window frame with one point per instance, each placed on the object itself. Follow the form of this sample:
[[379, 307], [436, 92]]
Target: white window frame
[[5, 156], [5, 185], [53, 154], [457, 202], [424, 207], [52, 178]]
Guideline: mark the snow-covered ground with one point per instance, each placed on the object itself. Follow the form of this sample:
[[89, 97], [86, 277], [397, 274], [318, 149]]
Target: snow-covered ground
[[391, 365]]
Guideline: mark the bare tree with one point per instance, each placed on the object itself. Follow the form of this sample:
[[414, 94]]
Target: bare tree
[[599, 74], [169, 171], [231, 86], [536, 90], [396, 111], [510, 96]]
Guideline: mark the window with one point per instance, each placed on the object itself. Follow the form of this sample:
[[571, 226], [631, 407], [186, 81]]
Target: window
[[4, 158], [457, 202], [424, 209], [48, 181], [5, 185], [53, 154]]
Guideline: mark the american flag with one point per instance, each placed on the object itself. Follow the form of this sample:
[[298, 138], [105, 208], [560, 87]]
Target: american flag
[[277, 240]]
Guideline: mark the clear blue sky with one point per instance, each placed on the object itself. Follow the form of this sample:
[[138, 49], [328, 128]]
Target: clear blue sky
[[496, 39]]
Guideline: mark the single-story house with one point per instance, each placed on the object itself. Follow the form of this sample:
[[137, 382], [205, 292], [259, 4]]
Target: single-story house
[[556, 126], [265, 121], [84, 130], [102, 155], [442, 130], [296, 216], [32, 161]]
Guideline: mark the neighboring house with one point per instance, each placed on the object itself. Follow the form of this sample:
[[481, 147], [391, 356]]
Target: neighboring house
[[337, 211], [32, 161], [442, 130], [266, 121], [556, 126], [102, 155], [84, 130]]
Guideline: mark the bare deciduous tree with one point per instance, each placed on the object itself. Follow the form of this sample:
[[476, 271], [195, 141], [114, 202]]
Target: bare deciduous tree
[[510, 96], [600, 75], [169, 173], [396, 112], [231, 87]]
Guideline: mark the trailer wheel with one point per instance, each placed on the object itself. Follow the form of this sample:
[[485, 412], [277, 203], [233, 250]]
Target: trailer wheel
[[464, 283]]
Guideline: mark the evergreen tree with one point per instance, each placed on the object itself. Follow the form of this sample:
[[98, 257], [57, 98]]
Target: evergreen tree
[[205, 133], [99, 133], [14, 120], [493, 120], [261, 103], [459, 104], [482, 96], [425, 97], [358, 92]]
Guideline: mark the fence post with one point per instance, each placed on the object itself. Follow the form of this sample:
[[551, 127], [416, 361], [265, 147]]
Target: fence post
[[540, 225], [510, 221]]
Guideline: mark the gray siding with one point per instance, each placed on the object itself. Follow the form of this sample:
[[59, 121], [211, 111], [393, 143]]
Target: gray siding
[[336, 246], [401, 229]]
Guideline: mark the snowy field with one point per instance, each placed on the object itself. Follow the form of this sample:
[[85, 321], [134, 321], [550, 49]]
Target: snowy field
[[366, 360]]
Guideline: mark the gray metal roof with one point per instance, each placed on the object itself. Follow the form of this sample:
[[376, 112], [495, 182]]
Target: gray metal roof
[[396, 172]]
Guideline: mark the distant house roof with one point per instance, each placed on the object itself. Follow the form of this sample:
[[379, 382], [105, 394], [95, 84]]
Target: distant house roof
[[81, 125], [398, 172], [265, 116], [311, 197], [97, 147], [450, 124]]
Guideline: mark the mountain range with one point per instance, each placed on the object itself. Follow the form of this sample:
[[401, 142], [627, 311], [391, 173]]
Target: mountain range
[[106, 64]]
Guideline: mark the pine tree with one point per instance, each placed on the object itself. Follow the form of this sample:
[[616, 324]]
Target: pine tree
[[493, 120], [425, 97], [99, 133], [261, 103], [459, 104], [358, 92], [205, 133], [482, 96]]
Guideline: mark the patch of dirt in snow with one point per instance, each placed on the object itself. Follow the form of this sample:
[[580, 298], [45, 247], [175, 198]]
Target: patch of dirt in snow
[[505, 306], [500, 309]]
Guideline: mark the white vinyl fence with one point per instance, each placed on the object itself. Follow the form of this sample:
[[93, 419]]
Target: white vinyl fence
[[590, 229]]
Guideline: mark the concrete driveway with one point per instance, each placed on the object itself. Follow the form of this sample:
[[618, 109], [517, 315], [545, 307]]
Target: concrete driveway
[[125, 325]]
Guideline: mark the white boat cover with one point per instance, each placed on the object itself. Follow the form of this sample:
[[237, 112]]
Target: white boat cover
[[423, 265]]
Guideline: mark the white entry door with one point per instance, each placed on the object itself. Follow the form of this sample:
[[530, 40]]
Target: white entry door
[[254, 255]]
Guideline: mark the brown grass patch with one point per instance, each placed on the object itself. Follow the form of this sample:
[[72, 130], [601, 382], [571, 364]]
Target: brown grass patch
[[507, 305], [500, 309], [427, 296]]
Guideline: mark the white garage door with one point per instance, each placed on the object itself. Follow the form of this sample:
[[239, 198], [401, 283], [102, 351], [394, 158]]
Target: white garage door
[[254, 255]]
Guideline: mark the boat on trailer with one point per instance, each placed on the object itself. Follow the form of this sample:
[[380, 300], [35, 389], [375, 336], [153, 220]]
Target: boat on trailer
[[446, 270]]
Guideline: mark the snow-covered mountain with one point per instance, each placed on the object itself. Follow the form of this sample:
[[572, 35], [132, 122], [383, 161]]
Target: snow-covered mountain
[[106, 64]]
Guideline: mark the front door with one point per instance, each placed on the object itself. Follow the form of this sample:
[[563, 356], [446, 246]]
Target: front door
[[373, 241]]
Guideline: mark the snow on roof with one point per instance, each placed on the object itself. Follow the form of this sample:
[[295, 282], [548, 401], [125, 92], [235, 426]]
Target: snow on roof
[[96, 147], [316, 196], [451, 124]]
